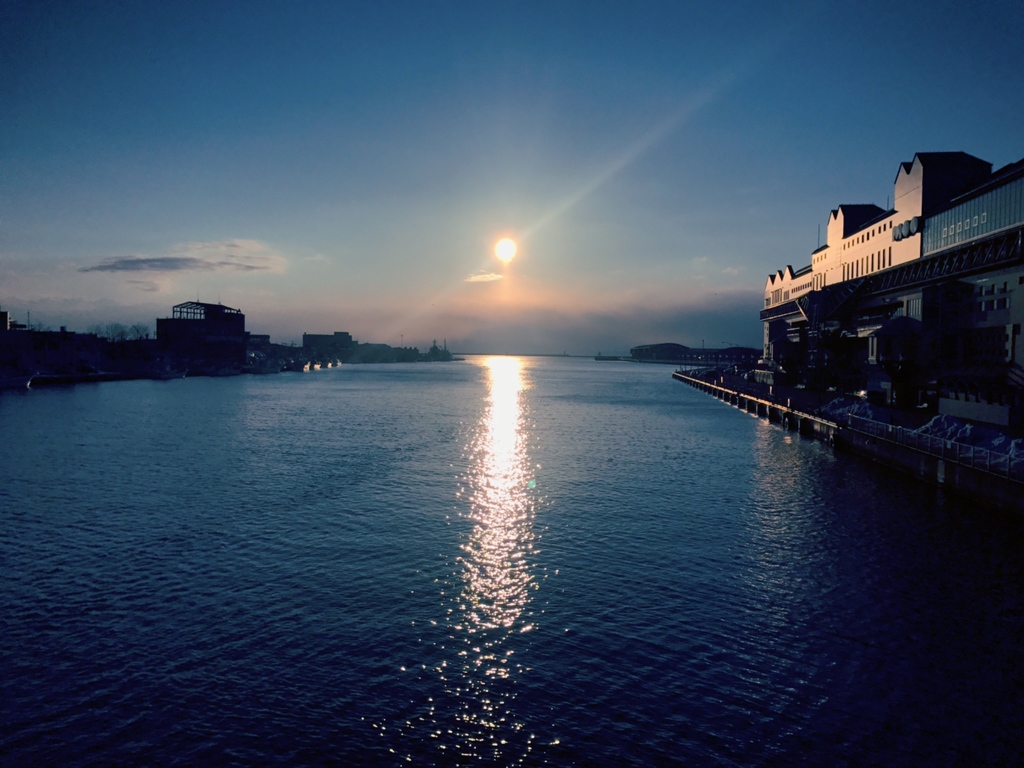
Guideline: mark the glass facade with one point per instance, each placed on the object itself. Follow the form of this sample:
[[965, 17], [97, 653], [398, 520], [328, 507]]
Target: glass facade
[[995, 210]]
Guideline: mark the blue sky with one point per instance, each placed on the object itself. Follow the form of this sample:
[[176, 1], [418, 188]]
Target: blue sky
[[349, 166]]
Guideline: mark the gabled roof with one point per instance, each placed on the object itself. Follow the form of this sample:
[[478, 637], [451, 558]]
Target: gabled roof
[[779, 276], [945, 161], [857, 215]]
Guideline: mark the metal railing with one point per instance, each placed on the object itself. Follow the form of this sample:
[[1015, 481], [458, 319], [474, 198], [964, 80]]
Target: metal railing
[[1000, 464]]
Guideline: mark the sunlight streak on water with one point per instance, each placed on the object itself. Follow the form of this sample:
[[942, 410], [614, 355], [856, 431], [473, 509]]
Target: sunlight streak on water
[[496, 578], [493, 569]]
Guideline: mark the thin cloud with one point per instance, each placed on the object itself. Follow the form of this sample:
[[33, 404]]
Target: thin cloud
[[144, 285], [484, 277], [731, 271], [214, 256], [165, 264]]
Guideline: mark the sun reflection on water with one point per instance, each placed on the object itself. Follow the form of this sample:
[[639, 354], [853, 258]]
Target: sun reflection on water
[[494, 571], [496, 576], [480, 646]]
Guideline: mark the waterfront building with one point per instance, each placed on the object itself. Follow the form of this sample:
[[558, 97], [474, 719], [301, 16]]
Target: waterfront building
[[669, 352], [336, 346], [209, 338], [920, 304]]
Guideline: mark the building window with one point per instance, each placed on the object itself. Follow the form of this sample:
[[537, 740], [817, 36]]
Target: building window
[[959, 226], [975, 222], [984, 217]]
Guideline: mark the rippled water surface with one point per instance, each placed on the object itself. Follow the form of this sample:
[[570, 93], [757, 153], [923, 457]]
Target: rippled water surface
[[499, 562]]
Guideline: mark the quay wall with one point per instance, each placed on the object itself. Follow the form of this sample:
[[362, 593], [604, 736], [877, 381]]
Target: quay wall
[[978, 485], [960, 472], [784, 414]]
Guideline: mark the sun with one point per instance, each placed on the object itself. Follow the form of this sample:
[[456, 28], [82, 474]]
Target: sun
[[505, 249]]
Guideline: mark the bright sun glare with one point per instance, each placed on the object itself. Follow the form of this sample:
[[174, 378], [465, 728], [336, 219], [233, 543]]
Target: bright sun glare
[[505, 249]]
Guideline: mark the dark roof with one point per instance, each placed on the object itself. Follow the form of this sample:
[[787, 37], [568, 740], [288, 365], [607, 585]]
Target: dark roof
[[948, 161], [1004, 175], [857, 215]]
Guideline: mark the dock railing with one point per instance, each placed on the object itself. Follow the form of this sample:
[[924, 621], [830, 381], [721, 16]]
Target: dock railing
[[1000, 464]]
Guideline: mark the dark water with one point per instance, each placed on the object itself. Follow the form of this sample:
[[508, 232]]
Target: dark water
[[535, 562]]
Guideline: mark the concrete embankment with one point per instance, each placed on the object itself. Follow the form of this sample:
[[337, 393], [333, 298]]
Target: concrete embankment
[[987, 478], [785, 413]]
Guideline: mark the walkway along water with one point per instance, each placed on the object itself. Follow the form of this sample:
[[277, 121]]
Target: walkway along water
[[988, 478]]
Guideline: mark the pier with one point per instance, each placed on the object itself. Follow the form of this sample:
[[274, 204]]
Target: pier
[[784, 414], [991, 479]]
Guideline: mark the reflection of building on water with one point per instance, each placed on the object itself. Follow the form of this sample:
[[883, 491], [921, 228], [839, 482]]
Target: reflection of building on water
[[920, 303]]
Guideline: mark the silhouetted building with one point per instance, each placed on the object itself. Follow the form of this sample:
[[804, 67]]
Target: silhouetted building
[[336, 346], [946, 256], [51, 352], [659, 353], [678, 353], [209, 338]]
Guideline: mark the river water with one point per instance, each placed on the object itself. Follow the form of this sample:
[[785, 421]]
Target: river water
[[506, 561]]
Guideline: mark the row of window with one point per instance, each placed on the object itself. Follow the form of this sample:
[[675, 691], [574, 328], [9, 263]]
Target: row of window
[[992, 211], [988, 290], [867, 235], [963, 226], [990, 305], [914, 307], [879, 260]]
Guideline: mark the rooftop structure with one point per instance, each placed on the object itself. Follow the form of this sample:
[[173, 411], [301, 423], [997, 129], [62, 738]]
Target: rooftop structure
[[209, 338]]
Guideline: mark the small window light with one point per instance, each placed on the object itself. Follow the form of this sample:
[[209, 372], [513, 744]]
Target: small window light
[[984, 217], [975, 222]]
